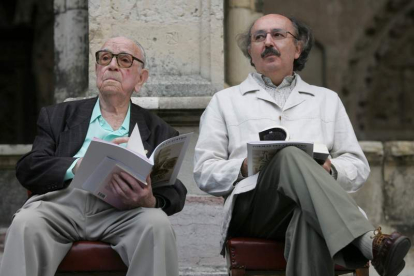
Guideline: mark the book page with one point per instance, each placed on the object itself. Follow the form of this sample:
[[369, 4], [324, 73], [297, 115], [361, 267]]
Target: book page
[[135, 142], [98, 150], [167, 159]]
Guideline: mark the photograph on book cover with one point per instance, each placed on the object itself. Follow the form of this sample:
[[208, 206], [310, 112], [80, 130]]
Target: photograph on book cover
[[164, 163]]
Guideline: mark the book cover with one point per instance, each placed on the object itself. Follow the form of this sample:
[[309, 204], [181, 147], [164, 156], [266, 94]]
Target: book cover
[[275, 138], [102, 159]]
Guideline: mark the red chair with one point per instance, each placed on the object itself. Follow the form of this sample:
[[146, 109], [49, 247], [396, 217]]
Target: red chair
[[250, 256], [91, 256]]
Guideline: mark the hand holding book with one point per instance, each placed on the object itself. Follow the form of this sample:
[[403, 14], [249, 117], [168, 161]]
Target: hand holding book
[[132, 192]]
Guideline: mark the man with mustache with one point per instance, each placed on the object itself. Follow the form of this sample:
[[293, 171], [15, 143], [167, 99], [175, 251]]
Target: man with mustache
[[293, 197], [44, 229]]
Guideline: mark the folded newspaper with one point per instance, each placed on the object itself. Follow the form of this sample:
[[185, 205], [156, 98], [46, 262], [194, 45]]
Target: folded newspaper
[[103, 159]]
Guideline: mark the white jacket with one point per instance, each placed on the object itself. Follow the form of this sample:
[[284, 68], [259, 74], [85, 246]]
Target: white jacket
[[236, 115]]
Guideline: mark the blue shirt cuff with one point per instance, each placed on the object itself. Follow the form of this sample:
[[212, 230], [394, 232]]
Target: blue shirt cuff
[[69, 174]]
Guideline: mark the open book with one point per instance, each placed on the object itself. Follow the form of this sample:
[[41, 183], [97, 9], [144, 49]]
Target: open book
[[103, 159], [259, 153]]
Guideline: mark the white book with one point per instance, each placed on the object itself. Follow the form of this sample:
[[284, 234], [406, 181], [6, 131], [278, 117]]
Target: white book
[[102, 159], [259, 153]]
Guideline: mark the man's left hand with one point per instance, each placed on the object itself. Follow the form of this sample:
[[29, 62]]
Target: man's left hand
[[327, 165], [132, 192]]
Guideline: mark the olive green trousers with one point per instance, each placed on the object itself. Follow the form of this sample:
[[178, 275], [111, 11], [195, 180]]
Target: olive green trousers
[[297, 200]]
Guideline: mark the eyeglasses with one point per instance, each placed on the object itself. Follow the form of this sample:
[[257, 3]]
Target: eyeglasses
[[124, 60], [275, 34]]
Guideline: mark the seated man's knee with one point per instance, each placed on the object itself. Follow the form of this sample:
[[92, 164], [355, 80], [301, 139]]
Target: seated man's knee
[[27, 222], [156, 219], [288, 153]]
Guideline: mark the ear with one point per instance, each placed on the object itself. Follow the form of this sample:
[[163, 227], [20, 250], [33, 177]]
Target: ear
[[142, 79], [250, 57], [298, 49]]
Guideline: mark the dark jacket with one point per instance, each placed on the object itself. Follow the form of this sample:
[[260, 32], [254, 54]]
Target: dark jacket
[[61, 131]]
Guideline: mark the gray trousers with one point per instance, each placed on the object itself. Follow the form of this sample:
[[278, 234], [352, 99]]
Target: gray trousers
[[297, 200], [43, 230]]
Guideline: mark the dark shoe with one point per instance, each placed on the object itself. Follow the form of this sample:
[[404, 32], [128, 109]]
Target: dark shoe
[[389, 252]]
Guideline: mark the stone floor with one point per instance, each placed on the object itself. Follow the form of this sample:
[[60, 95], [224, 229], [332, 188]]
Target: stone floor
[[197, 229]]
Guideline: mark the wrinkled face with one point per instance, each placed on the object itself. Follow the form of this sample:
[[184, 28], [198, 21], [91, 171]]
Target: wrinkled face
[[111, 79], [274, 55]]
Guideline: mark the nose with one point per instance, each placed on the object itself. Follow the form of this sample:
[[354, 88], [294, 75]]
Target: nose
[[113, 65], [268, 41]]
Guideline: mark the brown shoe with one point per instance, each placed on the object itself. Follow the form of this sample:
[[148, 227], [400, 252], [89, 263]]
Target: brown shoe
[[389, 252]]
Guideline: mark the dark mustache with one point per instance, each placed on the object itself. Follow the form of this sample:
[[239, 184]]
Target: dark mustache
[[270, 50]]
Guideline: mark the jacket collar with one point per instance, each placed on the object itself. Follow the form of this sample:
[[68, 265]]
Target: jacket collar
[[83, 114], [78, 124], [299, 94], [76, 128]]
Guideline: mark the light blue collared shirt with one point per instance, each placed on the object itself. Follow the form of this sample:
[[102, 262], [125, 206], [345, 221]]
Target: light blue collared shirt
[[99, 128]]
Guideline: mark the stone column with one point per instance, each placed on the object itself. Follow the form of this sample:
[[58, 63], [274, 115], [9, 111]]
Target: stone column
[[71, 48], [371, 196], [240, 15], [398, 185]]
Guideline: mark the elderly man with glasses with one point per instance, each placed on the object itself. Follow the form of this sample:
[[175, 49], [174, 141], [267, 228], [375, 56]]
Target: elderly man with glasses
[[44, 229], [292, 197]]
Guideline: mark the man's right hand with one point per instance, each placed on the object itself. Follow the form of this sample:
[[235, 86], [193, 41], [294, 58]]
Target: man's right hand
[[120, 140]]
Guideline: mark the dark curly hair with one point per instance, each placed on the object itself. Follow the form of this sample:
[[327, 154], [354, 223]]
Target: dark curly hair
[[302, 32]]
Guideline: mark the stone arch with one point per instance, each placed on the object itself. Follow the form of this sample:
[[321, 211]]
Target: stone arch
[[378, 86]]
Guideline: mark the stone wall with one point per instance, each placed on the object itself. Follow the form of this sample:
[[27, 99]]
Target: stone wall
[[12, 194], [183, 42]]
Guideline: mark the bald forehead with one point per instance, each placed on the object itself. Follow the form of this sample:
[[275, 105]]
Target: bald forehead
[[122, 45], [272, 21]]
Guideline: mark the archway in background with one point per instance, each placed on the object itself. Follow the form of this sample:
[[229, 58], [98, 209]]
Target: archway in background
[[26, 74], [379, 84]]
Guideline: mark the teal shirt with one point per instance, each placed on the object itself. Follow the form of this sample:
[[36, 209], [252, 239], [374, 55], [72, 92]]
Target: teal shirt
[[99, 128]]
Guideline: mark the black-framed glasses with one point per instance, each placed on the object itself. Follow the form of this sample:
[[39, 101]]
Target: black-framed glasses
[[275, 34], [124, 60]]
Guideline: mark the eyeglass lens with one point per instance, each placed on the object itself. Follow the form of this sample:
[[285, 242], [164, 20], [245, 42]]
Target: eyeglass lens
[[124, 60], [260, 36]]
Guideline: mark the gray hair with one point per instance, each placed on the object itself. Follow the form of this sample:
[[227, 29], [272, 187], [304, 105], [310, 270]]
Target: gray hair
[[302, 32], [141, 48], [144, 55]]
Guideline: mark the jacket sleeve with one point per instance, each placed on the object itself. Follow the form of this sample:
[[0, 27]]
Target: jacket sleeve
[[347, 156], [174, 197], [214, 172], [40, 171]]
